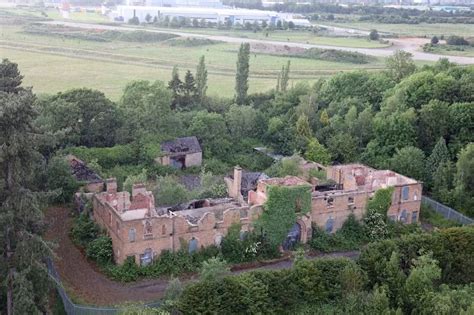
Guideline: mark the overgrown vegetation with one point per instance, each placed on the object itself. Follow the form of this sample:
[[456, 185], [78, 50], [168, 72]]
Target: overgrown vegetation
[[236, 247], [334, 55], [281, 208], [413, 274]]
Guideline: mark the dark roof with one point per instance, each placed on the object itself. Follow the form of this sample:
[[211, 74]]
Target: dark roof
[[181, 145], [81, 172]]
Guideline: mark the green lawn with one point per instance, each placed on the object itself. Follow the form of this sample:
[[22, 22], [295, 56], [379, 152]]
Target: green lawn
[[51, 64], [422, 29]]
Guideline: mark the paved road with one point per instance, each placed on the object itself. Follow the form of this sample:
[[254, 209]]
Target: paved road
[[411, 45]]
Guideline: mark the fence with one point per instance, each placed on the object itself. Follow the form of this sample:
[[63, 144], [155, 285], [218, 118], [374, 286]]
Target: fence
[[75, 309], [446, 211]]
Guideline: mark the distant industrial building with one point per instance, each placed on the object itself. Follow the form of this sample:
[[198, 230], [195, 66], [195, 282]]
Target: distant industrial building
[[175, 3], [214, 15]]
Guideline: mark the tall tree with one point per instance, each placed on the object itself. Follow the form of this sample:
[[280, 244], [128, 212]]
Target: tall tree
[[201, 79], [175, 85], [400, 65], [285, 77], [440, 154], [10, 77], [242, 75], [189, 90], [409, 161], [22, 251]]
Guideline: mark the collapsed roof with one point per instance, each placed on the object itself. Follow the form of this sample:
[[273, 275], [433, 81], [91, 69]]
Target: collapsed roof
[[185, 145], [81, 171]]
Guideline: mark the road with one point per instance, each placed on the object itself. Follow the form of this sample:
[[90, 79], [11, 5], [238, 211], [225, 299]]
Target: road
[[411, 45]]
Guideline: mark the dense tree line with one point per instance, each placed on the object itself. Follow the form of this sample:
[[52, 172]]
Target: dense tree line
[[24, 286], [417, 274]]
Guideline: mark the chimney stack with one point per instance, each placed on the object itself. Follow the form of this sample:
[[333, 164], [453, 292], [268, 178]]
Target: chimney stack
[[138, 188], [237, 184]]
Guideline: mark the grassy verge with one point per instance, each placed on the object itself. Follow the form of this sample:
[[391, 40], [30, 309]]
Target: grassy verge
[[422, 29]]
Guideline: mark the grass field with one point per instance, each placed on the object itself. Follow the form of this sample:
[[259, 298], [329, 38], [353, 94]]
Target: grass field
[[422, 29], [467, 51], [277, 35], [51, 64], [293, 36]]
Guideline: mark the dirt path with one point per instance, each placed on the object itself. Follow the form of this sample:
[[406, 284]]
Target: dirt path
[[408, 44], [86, 284], [82, 279]]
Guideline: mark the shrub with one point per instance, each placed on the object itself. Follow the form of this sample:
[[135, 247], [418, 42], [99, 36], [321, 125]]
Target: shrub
[[169, 192], [456, 40], [84, 230], [134, 179], [126, 272], [59, 178], [101, 250], [106, 157], [213, 268], [374, 35], [351, 236], [335, 55]]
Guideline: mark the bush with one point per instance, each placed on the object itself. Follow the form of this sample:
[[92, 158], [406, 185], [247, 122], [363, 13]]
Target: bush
[[59, 178], [250, 246], [106, 157], [351, 236], [84, 230], [374, 35], [100, 250], [335, 55], [169, 192], [456, 40]]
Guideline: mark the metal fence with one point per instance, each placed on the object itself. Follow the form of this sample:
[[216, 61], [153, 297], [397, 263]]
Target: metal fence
[[447, 212], [75, 309]]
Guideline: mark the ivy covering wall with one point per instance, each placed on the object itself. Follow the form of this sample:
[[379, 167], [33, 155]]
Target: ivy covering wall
[[381, 201], [281, 209]]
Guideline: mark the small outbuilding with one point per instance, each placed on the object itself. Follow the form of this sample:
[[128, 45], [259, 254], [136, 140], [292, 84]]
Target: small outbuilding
[[180, 153]]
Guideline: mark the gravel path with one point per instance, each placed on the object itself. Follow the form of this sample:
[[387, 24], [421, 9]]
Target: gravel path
[[86, 284], [411, 45]]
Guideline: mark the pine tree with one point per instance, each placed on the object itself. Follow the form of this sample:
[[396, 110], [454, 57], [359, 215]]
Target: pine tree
[[175, 85], [10, 78], [22, 249], [201, 79], [242, 75], [439, 155], [189, 89], [285, 77]]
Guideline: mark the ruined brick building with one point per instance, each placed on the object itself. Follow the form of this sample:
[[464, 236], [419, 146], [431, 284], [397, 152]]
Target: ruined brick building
[[140, 229]]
